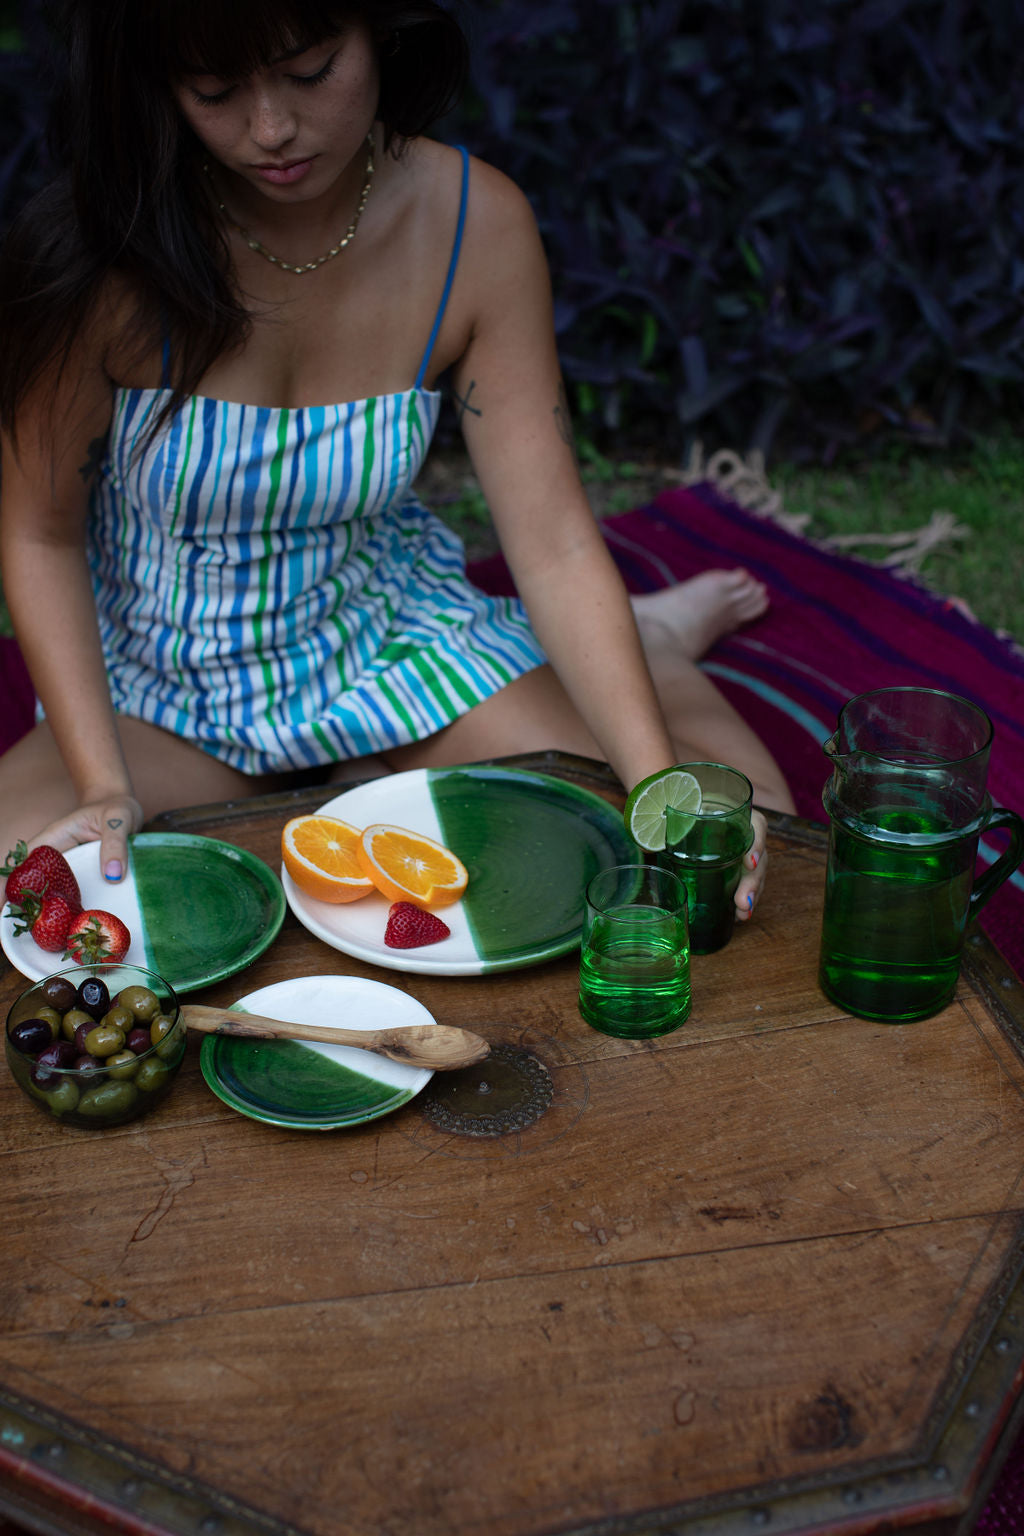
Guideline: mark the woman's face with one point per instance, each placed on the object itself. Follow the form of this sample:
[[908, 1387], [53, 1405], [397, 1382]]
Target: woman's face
[[289, 130]]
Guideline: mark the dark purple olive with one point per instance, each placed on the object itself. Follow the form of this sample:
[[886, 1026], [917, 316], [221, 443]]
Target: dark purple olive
[[138, 1040], [31, 1036], [60, 1055], [59, 992], [80, 1034], [88, 1064], [93, 997]]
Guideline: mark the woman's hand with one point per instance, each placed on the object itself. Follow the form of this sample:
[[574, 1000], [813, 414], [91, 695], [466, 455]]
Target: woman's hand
[[110, 822], [754, 864]]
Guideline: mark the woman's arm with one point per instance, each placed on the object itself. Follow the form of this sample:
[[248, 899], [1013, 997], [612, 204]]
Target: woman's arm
[[44, 496], [514, 418]]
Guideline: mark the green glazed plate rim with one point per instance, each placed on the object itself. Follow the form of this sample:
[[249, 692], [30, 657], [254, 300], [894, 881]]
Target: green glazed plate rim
[[357, 928], [208, 962], [288, 999]]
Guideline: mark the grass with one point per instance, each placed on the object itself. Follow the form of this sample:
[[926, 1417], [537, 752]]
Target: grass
[[981, 488], [898, 489]]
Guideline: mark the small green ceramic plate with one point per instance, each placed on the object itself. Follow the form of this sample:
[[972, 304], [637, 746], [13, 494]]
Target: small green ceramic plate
[[529, 842], [198, 910], [310, 1087]]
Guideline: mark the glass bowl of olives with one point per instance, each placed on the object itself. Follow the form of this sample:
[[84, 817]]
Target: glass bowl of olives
[[96, 1045]]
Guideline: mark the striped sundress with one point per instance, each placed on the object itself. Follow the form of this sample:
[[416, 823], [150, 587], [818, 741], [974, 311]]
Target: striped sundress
[[268, 588]]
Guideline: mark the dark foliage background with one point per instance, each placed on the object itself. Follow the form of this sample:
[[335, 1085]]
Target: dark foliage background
[[772, 223], [789, 221]]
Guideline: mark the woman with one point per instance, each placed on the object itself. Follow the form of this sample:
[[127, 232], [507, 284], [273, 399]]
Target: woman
[[215, 571]]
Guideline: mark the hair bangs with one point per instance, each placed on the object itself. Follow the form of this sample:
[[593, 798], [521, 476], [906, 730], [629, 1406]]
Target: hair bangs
[[221, 38]]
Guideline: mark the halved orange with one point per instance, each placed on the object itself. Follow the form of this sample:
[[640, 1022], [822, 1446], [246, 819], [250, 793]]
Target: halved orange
[[319, 853], [406, 866]]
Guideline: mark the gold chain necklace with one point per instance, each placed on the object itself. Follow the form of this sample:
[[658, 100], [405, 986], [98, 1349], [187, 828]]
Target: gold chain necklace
[[309, 266]]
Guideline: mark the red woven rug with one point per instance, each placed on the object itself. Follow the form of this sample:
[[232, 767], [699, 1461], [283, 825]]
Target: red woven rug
[[836, 627]]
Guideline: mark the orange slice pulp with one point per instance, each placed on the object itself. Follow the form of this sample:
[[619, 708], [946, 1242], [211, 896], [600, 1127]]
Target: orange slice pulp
[[320, 854], [406, 866]]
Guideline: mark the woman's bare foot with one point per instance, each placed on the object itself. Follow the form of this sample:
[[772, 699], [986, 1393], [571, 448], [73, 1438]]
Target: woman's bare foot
[[700, 611]]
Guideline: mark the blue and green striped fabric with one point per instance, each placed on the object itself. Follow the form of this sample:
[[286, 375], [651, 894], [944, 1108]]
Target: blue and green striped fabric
[[268, 587]]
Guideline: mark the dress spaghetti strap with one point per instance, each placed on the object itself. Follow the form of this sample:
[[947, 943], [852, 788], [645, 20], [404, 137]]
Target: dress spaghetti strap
[[453, 263]]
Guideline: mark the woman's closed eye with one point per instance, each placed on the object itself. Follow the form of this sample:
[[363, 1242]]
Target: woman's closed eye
[[217, 96]]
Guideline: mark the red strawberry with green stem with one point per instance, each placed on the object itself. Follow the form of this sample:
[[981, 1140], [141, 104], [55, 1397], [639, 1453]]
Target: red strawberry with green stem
[[97, 935], [409, 927], [44, 870], [46, 917]]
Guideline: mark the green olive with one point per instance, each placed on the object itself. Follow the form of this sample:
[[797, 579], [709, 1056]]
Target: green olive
[[142, 1003], [104, 1040], [171, 1046], [120, 1018], [107, 1100], [123, 1065], [152, 1074], [72, 1019], [51, 1017], [161, 1025], [63, 1098]]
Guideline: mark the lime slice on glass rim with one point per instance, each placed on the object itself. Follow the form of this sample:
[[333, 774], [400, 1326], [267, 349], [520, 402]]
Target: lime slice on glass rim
[[648, 805]]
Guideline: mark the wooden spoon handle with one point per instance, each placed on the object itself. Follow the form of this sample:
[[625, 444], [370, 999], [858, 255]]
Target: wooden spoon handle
[[437, 1046]]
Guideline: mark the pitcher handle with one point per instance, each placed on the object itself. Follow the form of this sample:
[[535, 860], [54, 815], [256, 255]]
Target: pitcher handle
[[1004, 866]]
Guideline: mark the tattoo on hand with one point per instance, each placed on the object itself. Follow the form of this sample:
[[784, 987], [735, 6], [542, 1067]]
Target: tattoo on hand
[[462, 404], [94, 459], [563, 421], [115, 822]]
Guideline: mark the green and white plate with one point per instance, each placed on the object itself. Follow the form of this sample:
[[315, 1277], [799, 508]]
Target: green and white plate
[[530, 844], [310, 1087], [197, 909]]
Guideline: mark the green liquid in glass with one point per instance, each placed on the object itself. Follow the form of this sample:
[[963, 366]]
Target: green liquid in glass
[[634, 975], [709, 861], [896, 904]]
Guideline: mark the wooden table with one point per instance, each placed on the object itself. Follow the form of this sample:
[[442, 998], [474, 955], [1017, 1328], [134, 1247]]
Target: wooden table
[[760, 1275]]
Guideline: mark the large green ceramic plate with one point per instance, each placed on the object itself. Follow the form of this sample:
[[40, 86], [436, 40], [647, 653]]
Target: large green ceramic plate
[[529, 842], [311, 1087], [198, 910]]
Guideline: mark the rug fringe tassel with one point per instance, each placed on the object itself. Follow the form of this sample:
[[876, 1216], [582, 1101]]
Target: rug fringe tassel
[[745, 480]]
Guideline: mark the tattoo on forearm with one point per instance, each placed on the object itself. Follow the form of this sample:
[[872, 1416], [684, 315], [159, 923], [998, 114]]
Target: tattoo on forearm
[[94, 459], [462, 404], [563, 421]]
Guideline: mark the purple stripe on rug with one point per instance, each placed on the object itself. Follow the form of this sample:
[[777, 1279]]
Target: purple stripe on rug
[[837, 626]]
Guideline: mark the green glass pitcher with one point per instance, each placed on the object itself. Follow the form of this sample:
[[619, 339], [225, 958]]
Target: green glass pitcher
[[906, 805]]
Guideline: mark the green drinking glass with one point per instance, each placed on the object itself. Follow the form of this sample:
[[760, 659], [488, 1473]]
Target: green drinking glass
[[635, 961], [707, 851], [907, 807]]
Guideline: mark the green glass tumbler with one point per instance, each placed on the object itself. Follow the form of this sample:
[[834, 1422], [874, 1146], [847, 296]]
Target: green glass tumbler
[[707, 851], [635, 960]]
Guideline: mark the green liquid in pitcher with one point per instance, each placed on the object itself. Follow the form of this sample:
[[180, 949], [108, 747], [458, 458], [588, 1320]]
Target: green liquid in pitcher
[[709, 862], [634, 977], [896, 903]]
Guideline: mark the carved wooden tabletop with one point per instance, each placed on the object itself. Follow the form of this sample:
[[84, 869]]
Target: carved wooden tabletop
[[762, 1274]]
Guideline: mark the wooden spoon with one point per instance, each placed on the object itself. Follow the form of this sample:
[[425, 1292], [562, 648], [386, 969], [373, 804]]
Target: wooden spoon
[[439, 1047]]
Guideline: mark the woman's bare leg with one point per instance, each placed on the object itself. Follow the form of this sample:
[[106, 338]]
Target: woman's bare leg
[[167, 773]]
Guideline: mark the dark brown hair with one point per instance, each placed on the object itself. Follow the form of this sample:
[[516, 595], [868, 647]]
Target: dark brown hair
[[127, 198]]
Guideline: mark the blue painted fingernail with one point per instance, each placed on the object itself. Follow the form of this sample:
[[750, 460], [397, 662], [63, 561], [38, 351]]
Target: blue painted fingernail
[[750, 902], [113, 870]]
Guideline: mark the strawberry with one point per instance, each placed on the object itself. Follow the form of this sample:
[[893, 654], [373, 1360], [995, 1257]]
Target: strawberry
[[46, 917], [97, 935], [409, 927], [42, 870]]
